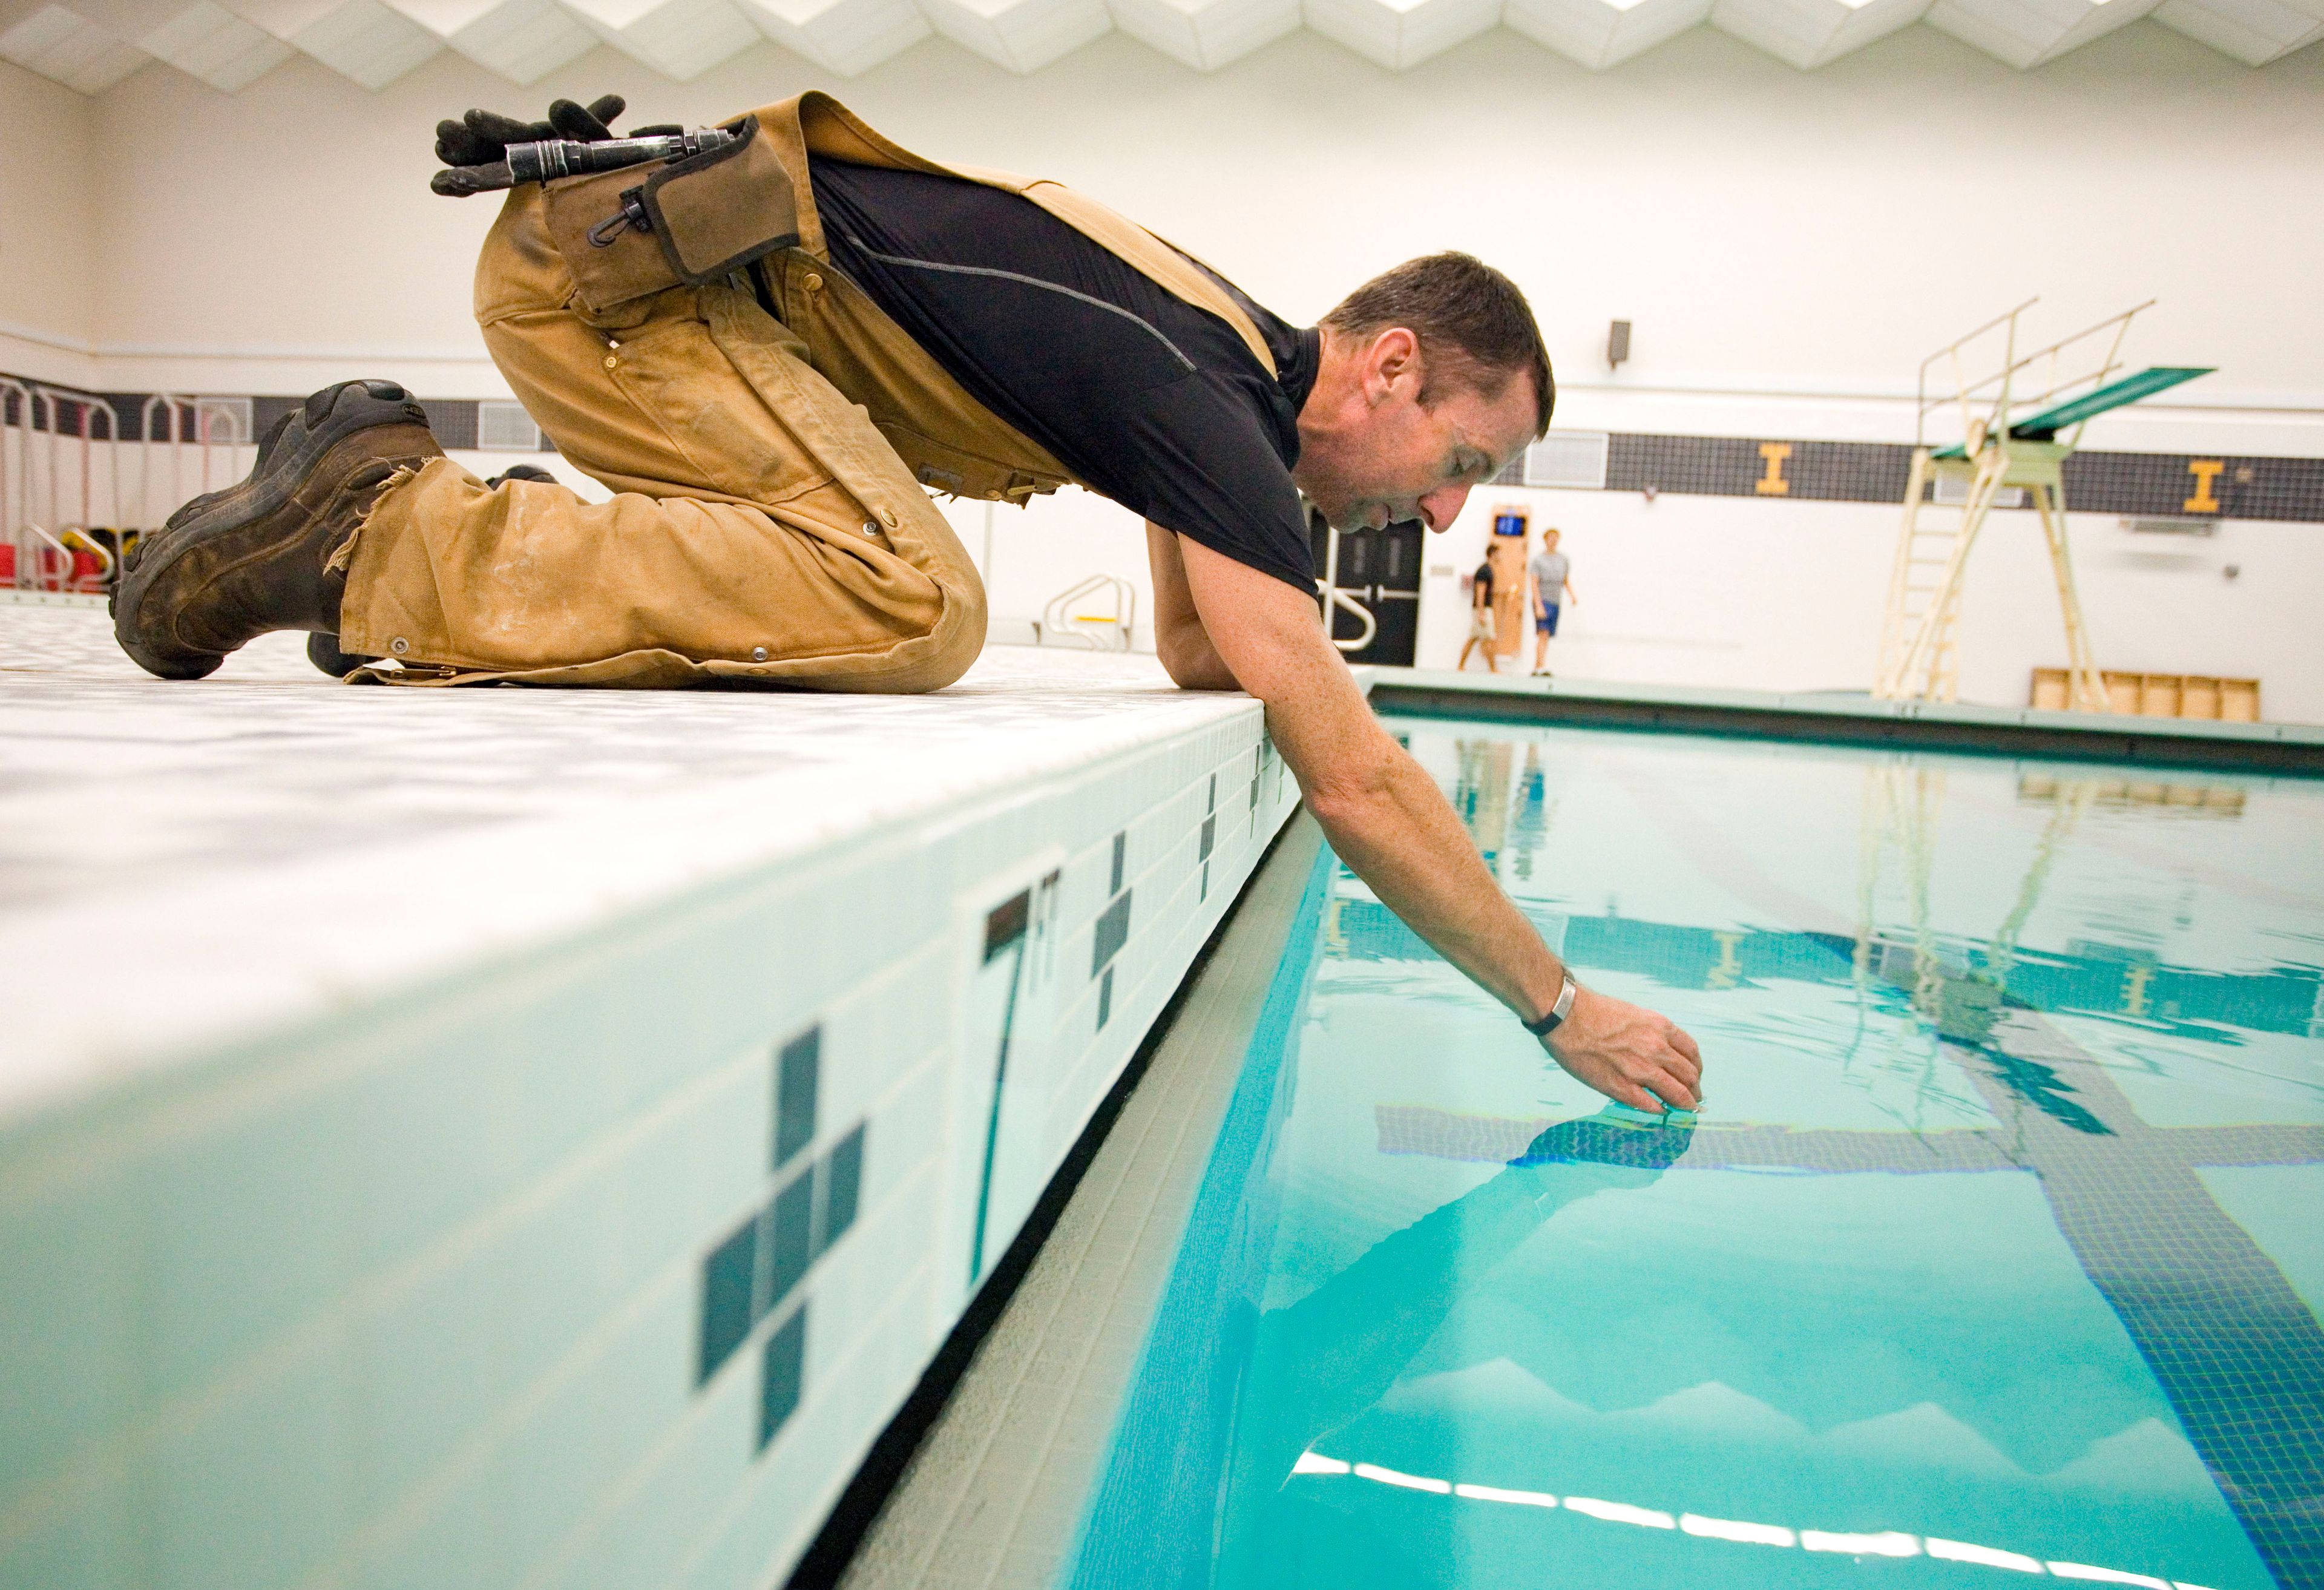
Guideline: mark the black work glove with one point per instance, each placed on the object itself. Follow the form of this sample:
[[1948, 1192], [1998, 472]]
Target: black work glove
[[482, 137]]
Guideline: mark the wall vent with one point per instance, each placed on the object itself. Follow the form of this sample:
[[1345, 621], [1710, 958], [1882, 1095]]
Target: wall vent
[[503, 427], [1575, 459], [1952, 491], [2171, 526]]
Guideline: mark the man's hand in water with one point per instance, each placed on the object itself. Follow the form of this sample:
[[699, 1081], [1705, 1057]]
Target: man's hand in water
[[1630, 1055]]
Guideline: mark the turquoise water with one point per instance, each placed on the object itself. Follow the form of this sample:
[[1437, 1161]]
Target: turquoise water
[[1995, 1254]]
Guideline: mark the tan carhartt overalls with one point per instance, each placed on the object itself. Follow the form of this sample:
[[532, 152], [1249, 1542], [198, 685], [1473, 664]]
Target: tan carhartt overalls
[[772, 518]]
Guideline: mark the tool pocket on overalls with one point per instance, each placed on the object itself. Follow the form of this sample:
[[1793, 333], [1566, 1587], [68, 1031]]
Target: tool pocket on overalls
[[609, 265], [692, 222], [718, 212]]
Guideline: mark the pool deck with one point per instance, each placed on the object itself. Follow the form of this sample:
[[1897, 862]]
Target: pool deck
[[268, 844], [1849, 719], [544, 1131]]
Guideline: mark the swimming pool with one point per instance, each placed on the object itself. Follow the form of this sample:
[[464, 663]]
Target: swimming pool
[[1996, 1252]]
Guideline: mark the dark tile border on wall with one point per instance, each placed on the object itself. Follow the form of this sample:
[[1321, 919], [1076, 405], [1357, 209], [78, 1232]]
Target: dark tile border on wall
[[2147, 485], [2155, 486], [453, 420]]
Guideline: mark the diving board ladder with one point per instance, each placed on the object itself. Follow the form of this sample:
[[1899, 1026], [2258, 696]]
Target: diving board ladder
[[1950, 491]]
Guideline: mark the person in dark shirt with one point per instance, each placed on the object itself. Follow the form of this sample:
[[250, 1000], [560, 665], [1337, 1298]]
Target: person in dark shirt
[[1480, 618], [698, 336], [1149, 401]]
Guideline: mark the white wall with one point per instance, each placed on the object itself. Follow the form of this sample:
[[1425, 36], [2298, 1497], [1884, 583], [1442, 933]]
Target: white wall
[[1733, 593], [1787, 246], [48, 229]]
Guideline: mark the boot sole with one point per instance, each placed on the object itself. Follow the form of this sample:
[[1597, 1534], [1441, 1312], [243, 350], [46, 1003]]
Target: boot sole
[[328, 418]]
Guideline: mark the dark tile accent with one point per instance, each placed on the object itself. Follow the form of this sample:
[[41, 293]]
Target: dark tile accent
[[1105, 998], [783, 1376], [454, 421], [1006, 924], [841, 1175], [726, 1297], [2160, 485], [2140, 484], [1112, 933], [788, 1229], [1120, 856], [798, 1073], [1210, 833]]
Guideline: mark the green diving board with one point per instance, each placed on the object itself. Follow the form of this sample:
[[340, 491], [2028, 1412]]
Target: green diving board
[[2130, 389]]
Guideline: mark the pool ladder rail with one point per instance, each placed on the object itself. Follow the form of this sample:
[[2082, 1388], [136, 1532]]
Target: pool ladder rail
[[76, 491]]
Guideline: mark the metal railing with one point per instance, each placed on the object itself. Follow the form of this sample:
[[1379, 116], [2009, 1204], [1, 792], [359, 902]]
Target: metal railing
[[1099, 631], [61, 456], [1981, 416], [75, 491], [1331, 597]]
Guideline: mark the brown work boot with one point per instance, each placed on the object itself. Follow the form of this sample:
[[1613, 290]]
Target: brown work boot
[[232, 566]]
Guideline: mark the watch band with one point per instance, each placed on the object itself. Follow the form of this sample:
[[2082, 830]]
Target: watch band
[[1558, 1012]]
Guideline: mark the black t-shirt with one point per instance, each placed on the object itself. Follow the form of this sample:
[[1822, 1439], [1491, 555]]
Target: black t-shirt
[[1157, 404], [1484, 584]]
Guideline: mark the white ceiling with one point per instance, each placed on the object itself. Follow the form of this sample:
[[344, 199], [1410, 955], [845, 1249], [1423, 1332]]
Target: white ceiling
[[90, 45]]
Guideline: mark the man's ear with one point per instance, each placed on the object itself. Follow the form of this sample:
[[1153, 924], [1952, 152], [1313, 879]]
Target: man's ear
[[1395, 357]]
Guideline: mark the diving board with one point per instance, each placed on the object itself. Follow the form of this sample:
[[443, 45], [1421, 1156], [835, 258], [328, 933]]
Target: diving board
[[1950, 490], [2045, 425]]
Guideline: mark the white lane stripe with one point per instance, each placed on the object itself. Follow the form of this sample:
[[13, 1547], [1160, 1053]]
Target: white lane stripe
[[1388, 1476], [2083, 1570], [1621, 1512], [1888, 1543], [1983, 1556], [1727, 1528], [1495, 1493]]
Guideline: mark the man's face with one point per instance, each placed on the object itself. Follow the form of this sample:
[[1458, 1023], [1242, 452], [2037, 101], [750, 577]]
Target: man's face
[[1397, 457]]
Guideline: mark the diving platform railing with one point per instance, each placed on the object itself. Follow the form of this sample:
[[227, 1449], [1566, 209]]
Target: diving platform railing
[[2057, 391]]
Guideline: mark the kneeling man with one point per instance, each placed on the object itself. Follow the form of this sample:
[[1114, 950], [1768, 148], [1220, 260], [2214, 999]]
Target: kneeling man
[[772, 349]]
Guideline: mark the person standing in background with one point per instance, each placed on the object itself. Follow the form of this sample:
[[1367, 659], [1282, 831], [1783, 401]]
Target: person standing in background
[[1548, 573], [1480, 618]]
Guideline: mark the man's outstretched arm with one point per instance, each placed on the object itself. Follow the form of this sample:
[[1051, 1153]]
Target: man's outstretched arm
[[1387, 820]]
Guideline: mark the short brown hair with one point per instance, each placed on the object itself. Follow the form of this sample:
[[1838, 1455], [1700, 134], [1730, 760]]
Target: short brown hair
[[1456, 300]]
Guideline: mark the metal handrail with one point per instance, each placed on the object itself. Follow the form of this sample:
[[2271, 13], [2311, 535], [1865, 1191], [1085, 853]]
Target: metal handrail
[[1333, 596], [1997, 420], [1329, 595], [1056, 618], [34, 519], [176, 407]]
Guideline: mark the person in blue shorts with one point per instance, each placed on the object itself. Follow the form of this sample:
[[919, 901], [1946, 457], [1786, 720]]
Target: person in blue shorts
[[1549, 572]]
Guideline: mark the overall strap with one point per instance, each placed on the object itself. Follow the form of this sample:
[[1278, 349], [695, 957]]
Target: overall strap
[[815, 123]]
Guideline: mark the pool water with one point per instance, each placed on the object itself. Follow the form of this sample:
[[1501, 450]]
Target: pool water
[[1996, 1252]]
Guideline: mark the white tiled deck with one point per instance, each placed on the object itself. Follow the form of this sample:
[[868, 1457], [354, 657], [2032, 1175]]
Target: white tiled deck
[[179, 860], [401, 1168]]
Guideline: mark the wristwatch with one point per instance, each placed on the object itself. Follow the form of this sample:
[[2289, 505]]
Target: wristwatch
[[1558, 1012]]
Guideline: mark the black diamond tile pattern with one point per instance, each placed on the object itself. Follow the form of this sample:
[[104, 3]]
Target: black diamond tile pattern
[[761, 1264]]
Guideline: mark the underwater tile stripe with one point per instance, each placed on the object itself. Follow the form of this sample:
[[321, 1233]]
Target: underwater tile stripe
[[1417, 1129], [1506, 1139], [1884, 1543], [2233, 1346]]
